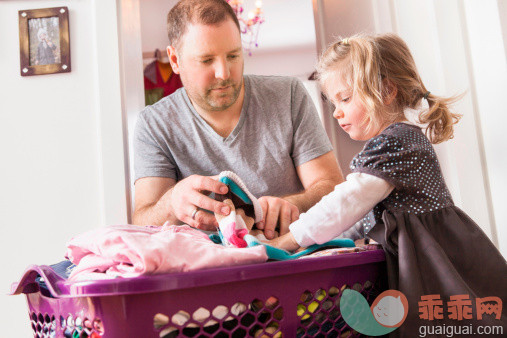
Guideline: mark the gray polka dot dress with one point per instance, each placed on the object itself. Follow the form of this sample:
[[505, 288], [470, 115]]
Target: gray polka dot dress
[[431, 246]]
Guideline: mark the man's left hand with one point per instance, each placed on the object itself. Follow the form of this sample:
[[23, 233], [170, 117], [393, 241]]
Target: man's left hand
[[277, 211]]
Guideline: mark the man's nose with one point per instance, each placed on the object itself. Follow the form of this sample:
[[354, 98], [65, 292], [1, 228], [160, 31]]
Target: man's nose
[[338, 113], [222, 70]]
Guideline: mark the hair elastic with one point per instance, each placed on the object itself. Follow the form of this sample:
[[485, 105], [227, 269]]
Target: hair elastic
[[425, 96], [345, 41]]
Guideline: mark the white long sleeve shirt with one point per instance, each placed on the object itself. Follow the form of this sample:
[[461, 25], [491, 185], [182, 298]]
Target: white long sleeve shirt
[[336, 212]]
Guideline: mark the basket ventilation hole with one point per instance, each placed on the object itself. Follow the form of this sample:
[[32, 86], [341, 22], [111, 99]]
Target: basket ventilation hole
[[98, 326], [272, 330], [180, 318], [201, 315], [169, 332], [79, 322], [70, 321], [319, 311], [259, 317], [357, 287], [159, 321], [220, 312], [333, 292]]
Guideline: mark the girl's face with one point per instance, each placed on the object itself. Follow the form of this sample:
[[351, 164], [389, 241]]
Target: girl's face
[[348, 108]]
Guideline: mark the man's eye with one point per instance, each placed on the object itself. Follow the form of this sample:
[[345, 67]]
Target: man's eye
[[233, 56], [206, 61]]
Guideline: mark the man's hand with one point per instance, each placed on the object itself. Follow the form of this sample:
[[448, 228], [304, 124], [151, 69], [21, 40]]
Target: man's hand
[[277, 211], [188, 195], [161, 199], [318, 176]]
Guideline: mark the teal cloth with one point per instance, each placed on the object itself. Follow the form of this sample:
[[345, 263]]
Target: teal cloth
[[283, 255], [236, 189]]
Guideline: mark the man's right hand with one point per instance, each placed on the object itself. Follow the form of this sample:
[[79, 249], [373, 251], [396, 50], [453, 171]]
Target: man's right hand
[[276, 212], [160, 199], [188, 195]]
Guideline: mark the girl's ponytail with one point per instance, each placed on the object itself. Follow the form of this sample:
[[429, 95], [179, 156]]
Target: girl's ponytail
[[439, 118]]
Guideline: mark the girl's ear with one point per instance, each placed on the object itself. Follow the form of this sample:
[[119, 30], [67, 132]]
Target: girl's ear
[[390, 92]]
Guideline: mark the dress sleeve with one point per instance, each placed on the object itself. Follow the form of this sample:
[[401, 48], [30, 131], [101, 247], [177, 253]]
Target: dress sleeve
[[387, 157], [340, 209]]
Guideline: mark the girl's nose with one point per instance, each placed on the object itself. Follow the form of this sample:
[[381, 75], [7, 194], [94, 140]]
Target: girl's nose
[[338, 113]]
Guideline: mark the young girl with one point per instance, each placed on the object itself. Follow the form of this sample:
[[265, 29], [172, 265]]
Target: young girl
[[432, 247]]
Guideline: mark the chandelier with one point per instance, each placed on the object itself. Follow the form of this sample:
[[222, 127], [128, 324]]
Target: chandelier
[[249, 26]]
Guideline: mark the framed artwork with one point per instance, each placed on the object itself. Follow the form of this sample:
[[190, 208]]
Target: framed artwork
[[44, 42]]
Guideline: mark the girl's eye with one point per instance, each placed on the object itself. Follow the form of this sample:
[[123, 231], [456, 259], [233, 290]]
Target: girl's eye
[[346, 99]]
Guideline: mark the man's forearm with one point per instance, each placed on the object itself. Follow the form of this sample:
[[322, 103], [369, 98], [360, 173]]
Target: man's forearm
[[309, 197], [157, 213]]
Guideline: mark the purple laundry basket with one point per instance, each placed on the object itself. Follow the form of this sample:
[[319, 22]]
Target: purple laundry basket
[[298, 298]]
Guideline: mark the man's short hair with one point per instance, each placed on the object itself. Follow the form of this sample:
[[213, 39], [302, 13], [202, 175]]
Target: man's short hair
[[207, 12]]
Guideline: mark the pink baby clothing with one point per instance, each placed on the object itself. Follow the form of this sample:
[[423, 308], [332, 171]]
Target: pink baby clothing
[[131, 251]]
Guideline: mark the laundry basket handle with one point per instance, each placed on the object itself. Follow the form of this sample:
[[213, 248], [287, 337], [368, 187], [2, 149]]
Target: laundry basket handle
[[28, 284]]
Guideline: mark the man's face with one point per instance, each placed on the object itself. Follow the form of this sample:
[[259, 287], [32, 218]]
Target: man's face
[[209, 59]]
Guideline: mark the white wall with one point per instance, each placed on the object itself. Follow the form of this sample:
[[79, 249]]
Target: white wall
[[61, 145], [153, 16], [335, 19]]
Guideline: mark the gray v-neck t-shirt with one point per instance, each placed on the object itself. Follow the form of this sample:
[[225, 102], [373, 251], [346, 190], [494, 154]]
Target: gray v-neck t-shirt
[[278, 130]]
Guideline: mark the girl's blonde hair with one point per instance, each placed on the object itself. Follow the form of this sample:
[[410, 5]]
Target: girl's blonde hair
[[372, 65]]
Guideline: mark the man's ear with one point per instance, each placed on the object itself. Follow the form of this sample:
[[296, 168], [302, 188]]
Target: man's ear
[[390, 92], [173, 59]]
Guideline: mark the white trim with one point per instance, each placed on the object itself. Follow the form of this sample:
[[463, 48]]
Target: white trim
[[110, 119], [487, 38], [132, 85], [479, 128]]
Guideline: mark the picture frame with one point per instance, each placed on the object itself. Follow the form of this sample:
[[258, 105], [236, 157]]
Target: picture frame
[[44, 41]]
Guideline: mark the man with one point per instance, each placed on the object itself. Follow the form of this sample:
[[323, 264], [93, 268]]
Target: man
[[265, 129]]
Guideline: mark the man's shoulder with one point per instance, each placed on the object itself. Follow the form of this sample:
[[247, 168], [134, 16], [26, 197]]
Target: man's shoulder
[[271, 82], [171, 104]]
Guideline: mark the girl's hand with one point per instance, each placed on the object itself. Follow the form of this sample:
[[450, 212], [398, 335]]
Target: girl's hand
[[286, 242]]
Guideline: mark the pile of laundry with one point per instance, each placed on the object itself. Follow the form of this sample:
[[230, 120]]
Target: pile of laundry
[[131, 251]]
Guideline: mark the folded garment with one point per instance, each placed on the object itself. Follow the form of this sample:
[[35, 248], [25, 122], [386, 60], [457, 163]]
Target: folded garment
[[131, 251], [232, 228], [240, 196], [283, 255], [340, 251]]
